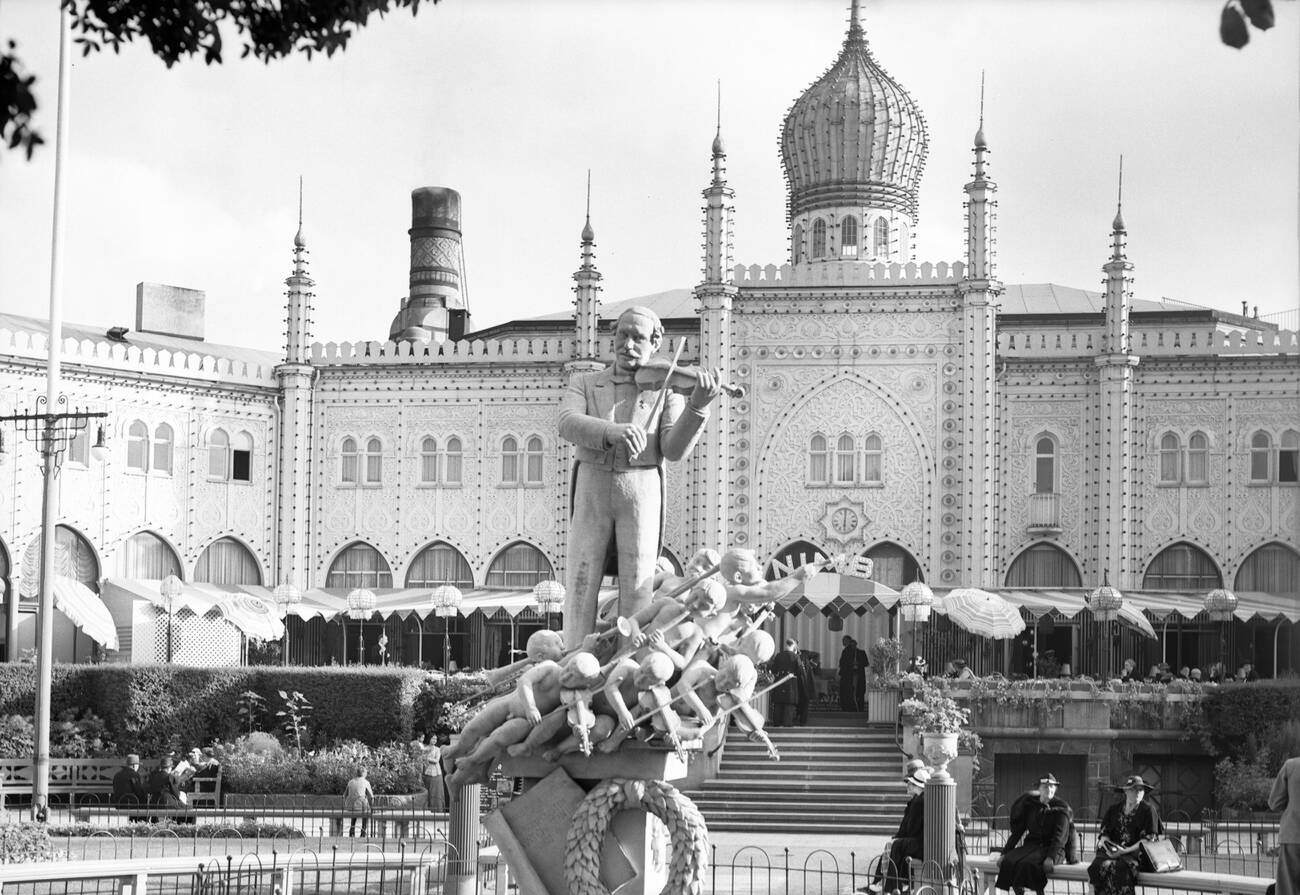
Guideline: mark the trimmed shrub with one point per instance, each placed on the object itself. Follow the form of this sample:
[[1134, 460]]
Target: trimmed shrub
[[1235, 717], [1243, 785], [435, 706], [393, 768], [23, 843], [245, 829]]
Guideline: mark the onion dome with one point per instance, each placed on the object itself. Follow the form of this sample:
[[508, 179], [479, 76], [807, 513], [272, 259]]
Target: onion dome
[[855, 137]]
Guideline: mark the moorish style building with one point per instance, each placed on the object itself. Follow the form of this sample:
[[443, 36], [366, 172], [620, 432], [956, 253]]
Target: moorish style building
[[1032, 439]]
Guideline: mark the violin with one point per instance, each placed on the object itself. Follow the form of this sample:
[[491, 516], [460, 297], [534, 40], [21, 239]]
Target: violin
[[654, 374]]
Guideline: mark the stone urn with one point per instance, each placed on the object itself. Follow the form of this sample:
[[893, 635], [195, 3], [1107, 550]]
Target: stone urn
[[939, 749]]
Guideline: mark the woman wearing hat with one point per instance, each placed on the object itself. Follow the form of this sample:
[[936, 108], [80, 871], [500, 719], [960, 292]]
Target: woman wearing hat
[[908, 842], [1044, 822], [1114, 871]]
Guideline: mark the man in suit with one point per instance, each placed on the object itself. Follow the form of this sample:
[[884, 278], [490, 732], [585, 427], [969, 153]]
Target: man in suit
[[128, 786], [1285, 797], [623, 433]]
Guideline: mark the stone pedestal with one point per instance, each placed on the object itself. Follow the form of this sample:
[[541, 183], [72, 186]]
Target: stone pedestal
[[940, 837], [462, 833]]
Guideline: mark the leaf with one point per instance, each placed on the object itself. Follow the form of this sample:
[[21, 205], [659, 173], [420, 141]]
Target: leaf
[[1232, 28], [1260, 13], [283, 695]]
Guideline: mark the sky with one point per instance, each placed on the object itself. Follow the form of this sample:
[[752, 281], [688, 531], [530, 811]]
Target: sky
[[189, 176]]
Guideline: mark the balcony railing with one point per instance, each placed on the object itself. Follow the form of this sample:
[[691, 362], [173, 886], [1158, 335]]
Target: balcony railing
[[1045, 513]]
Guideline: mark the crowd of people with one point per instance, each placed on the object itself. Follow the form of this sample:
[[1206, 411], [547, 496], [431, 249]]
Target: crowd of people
[[171, 784], [1163, 673]]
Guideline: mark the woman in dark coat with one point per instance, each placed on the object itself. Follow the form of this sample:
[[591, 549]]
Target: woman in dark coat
[[785, 698], [1114, 871], [909, 841], [1045, 825]]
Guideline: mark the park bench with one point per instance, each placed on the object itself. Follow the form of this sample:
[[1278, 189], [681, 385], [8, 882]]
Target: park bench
[[90, 780], [985, 869], [381, 820]]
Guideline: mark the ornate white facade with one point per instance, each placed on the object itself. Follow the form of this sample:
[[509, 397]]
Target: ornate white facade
[[923, 405]]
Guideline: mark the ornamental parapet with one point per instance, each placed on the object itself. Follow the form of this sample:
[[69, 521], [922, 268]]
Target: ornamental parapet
[[554, 349], [1035, 343], [848, 273]]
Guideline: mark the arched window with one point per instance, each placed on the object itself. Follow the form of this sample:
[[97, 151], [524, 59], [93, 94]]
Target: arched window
[[1288, 457], [1045, 465], [241, 457], [73, 558], [1273, 568], [872, 455], [79, 447], [374, 461], [226, 561], [509, 460], [359, 565], [137, 446], [1044, 565], [219, 455], [845, 460], [849, 237], [533, 469], [162, 449], [893, 566], [880, 238], [798, 243], [1198, 458], [1261, 447], [452, 462], [819, 238], [439, 563], [818, 460], [429, 460], [1184, 567], [791, 557], [348, 461], [518, 567], [145, 555], [1170, 453]]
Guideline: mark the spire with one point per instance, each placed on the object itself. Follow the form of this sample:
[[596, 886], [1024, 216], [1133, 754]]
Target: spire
[[299, 241], [719, 149], [586, 292], [855, 34], [1119, 281], [1117, 226], [298, 307], [588, 234], [980, 142]]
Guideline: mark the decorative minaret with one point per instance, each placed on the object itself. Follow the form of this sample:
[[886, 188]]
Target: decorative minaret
[[1114, 457], [437, 307], [295, 377], [715, 296], [586, 294], [980, 291]]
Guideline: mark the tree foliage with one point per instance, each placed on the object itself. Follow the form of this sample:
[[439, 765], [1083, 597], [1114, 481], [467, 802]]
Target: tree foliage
[[1232, 21], [182, 29]]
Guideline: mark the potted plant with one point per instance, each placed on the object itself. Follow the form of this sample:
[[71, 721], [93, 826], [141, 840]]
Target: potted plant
[[886, 688], [938, 719]]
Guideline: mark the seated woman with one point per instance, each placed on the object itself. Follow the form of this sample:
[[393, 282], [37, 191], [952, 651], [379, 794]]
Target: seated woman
[[1044, 824], [958, 670], [1126, 823], [908, 842]]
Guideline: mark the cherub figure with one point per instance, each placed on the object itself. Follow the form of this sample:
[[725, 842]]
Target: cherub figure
[[742, 574], [578, 682], [541, 646], [701, 563], [711, 695], [643, 684]]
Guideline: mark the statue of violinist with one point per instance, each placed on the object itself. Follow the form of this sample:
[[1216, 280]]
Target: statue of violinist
[[625, 420]]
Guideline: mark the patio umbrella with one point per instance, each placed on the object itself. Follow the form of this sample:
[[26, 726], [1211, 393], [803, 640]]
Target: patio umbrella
[[85, 609], [983, 613], [1131, 615]]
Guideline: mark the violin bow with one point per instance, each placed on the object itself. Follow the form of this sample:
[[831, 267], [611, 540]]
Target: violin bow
[[663, 393]]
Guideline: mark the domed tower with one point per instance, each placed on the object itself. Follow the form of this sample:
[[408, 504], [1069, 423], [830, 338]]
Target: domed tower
[[853, 147]]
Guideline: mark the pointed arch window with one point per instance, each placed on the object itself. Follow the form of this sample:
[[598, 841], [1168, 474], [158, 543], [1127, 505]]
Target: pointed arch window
[[1044, 565], [429, 460], [849, 237], [348, 461], [453, 462], [218, 454], [1273, 568], [359, 565], [227, 561], [1170, 454], [374, 466], [1198, 458], [872, 460], [798, 243], [1183, 567], [137, 446], [1261, 449], [819, 238], [162, 449], [893, 566], [880, 238], [518, 567], [818, 460], [439, 563], [241, 458], [1288, 458], [845, 460], [509, 460], [534, 458], [1045, 465]]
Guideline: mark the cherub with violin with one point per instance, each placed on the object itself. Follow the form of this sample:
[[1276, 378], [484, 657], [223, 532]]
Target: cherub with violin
[[626, 420]]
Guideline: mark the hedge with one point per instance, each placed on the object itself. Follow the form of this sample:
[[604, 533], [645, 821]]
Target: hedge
[[1236, 718], [148, 707]]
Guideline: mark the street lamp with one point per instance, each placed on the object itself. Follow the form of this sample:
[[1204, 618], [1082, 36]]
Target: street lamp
[[286, 597], [549, 595], [446, 600], [1220, 603], [170, 588], [361, 605], [915, 601], [1105, 603]]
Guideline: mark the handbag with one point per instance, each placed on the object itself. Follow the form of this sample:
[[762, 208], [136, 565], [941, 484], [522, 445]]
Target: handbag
[[1074, 846], [1158, 855]]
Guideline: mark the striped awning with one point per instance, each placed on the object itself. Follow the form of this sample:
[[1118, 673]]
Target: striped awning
[[834, 594], [1157, 605]]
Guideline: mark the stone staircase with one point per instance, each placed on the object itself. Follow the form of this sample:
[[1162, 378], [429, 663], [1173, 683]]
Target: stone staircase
[[836, 775]]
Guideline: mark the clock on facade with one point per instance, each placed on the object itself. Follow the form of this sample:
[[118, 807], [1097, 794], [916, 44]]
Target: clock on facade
[[844, 520]]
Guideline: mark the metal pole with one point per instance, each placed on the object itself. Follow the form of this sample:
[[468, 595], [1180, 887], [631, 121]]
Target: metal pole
[[446, 644], [170, 615], [361, 642], [45, 617]]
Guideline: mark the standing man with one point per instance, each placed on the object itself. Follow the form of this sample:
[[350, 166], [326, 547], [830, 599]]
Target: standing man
[[623, 433], [1285, 797], [808, 679], [848, 674], [787, 696]]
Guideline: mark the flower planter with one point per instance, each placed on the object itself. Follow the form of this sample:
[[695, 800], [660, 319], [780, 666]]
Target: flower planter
[[291, 801], [882, 705], [939, 749]]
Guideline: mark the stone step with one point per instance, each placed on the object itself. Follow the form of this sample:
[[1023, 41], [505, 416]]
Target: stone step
[[858, 799]]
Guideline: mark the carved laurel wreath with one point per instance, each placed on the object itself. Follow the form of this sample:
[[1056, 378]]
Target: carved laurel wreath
[[689, 836]]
